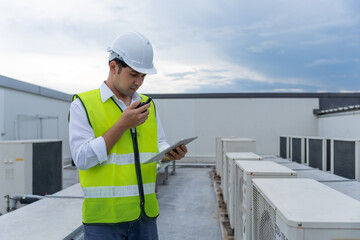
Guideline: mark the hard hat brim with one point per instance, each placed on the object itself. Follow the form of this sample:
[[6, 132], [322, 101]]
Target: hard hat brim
[[145, 70]]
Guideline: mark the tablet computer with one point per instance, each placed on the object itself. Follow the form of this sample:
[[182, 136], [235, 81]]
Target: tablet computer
[[161, 155]]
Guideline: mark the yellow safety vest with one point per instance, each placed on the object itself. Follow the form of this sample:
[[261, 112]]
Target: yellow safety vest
[[119, 189]]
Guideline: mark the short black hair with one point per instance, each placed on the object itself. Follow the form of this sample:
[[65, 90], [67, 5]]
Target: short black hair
[[119, 62]]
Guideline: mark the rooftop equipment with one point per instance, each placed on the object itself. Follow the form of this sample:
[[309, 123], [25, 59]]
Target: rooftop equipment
[[274, 159], [246, 171], [296, 166], [317, 153], [233, 145], [219, 153], [345, 158], [29, 167], [298, 149], [350, 188], [232, 158], [302, 209], [285, 146], [320, 176]]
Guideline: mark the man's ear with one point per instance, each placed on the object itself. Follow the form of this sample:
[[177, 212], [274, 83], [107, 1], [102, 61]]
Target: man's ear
[[112, 67]]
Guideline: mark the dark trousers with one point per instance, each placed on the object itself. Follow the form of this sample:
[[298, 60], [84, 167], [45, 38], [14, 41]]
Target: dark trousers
[[141, 229]]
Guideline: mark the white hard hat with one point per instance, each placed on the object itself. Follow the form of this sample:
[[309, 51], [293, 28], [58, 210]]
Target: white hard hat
[[135, 50]]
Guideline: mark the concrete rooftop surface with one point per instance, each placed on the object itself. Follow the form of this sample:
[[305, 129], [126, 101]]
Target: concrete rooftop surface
[[188, 207], [187, 210]]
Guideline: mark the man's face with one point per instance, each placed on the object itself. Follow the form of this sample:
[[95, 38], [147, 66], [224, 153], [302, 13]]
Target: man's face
[[127, 81]]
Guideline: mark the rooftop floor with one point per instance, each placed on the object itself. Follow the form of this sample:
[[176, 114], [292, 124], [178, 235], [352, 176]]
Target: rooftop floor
[[187, 204], [188, 207], [187, 210]]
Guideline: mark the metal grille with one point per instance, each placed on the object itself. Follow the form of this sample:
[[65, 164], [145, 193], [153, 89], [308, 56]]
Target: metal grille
[[296, 150], [283, 149], [264, 218], [344, 158], [315, 153]]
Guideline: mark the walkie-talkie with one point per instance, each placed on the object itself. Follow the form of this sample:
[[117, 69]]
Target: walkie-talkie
[[144, 103]]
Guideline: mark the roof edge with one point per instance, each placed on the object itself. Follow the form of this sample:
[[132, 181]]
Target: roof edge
[[18, 85], [253, 95]]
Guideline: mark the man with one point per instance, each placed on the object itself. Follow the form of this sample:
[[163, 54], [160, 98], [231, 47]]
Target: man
[[110, 136]]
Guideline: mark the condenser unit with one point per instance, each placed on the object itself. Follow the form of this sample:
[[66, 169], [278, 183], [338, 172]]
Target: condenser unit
[[233, 145], [295, 166], [320, 176], [219, 152], [345, 158], [274, 159], [246, 171], [316, 153], [29, 167], [302, 209], [231, 185], [298, 149], [285, 147], [350, 188]]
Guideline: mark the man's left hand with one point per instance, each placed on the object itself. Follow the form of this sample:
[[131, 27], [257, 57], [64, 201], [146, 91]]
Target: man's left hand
[[176, 154]]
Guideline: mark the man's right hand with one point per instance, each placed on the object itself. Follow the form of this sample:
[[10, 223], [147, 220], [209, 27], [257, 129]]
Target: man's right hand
[[133, 117], [130, 118]]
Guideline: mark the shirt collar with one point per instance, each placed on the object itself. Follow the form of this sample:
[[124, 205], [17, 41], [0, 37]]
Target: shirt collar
[[106, 93]]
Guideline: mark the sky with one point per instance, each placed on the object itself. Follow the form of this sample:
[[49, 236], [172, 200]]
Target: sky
[[200, 46]]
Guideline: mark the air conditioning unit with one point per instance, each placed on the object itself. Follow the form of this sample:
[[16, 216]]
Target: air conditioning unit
[[285, 146], [29, 167], [320, 176], [246, 171], [317, 153], [274, 158], [295, 166], [231, 186], [345, 158], [298, 149], [233, 145], [350, 188], [302, 209], [219, 153]]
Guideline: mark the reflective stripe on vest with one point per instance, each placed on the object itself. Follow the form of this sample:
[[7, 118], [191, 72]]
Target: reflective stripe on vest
[[117, 191], [123, 159]]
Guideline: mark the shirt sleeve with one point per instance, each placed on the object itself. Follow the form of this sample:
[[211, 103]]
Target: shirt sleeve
[[162, 142], [86, 150]]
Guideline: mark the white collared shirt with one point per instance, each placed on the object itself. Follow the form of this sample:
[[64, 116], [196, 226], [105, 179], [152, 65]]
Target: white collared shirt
[[88, 151]]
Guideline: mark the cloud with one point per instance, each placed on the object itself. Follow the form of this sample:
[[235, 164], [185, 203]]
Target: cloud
[[173, 77], [233, 45]]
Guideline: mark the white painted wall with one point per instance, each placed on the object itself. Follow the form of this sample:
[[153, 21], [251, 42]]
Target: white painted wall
[[13, 103], [340, 125], [2, 114], [263, 119]]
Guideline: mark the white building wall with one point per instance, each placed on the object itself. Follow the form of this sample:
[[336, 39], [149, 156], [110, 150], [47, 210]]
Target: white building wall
[[263, 119], [340, 125], [14, 103], [2, 113]]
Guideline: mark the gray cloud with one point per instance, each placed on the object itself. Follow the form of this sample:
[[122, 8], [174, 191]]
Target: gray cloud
[[277, 45]]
